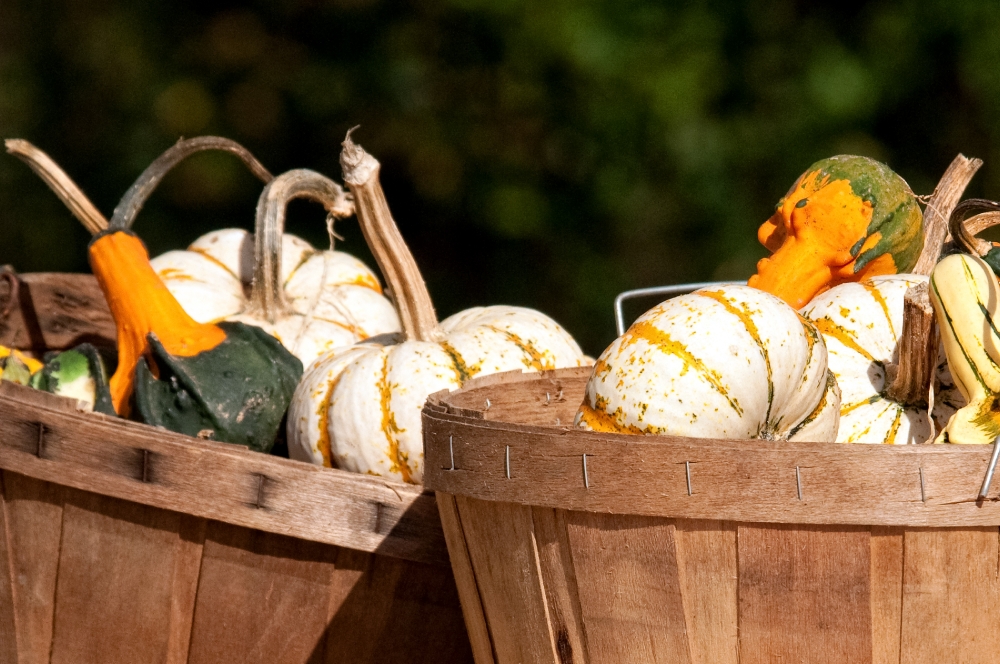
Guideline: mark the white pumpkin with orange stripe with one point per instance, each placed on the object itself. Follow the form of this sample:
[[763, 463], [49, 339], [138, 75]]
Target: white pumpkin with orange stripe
[[324, 299], [861, 324], [359, 407], [730, 362]]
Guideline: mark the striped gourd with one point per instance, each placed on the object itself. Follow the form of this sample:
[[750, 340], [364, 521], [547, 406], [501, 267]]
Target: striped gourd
[[359, 407], [730, 362], [861, 324], [845, 219], [966, 300]]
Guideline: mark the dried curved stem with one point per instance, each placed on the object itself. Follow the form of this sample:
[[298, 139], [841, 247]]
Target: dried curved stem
[[68, 192], [939, 209], [133, 200], [909, 379], [971, 217], [416, 310], [267, 297]]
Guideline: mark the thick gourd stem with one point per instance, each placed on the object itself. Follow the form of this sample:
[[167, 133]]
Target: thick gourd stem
[[939, 209], [267, 298], [60, 183], [910, 378], [416, 310], [970, 218], [141, 305], [133, 200]]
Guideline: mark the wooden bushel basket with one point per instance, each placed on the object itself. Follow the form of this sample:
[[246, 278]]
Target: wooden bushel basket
[[124, 543], [576, 546]]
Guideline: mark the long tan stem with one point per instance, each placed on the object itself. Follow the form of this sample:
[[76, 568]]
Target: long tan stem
[[60, 183], [416, 310], [267, 297], [939, 208], [909, 379]]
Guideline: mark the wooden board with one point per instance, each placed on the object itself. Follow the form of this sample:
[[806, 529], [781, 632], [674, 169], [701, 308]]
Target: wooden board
[[745, 481], [47, 439], [630, 593], [34, 514], [708, 573], [804, 594], [92, 579], [951, 596], [53, 311]]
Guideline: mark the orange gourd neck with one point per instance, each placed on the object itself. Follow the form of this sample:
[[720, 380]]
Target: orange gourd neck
[[812, 235], [141, 304]]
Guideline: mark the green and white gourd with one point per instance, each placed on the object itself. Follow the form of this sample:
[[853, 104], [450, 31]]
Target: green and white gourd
[[861, 324]]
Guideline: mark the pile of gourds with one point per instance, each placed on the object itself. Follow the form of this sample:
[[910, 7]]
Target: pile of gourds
[[227, 339], [832, 340], [836, 338]]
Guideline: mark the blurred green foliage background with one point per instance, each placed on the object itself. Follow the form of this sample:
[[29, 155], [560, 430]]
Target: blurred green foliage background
[[547, 154]]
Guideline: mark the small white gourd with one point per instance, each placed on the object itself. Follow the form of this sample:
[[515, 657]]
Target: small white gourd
[[730, 362]]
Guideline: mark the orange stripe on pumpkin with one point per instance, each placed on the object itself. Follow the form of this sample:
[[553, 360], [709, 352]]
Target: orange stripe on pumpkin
[[398, 458], [660, 340]]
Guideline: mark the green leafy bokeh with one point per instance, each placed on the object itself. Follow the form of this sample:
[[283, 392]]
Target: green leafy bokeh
[[542, 154]]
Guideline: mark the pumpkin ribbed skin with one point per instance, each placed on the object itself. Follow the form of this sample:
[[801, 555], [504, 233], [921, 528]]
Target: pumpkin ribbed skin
[[359, 407], [730, 362], [861, 325], [335, 299]]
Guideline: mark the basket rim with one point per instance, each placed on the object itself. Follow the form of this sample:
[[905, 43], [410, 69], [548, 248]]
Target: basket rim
[[46, 438], [734, 480]]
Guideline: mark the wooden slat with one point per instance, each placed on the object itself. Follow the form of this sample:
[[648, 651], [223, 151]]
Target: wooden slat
[[465, 580], [53, 311], [187, 572], [398, 612], [745, 481], [887, 593], [630, 595], [8, 600], [222, 482], [804, 595], [706, 560], [951, 596], [117, 570], [560, 584], [34, 512], [261, 598], [502, 549]]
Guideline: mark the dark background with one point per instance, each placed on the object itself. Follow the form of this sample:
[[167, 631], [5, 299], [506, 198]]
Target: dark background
[[547, 154]]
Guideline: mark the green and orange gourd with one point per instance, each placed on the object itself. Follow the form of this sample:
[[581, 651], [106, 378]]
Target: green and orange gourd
[[227, 381], [846, 219]]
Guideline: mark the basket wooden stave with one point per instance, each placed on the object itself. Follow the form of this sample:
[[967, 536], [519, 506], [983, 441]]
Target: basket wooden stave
[[127, 543], [780, 552]]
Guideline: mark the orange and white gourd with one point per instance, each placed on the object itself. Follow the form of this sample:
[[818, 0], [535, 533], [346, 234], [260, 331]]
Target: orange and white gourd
[[861, 324], [729, 362], [359, 407]]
